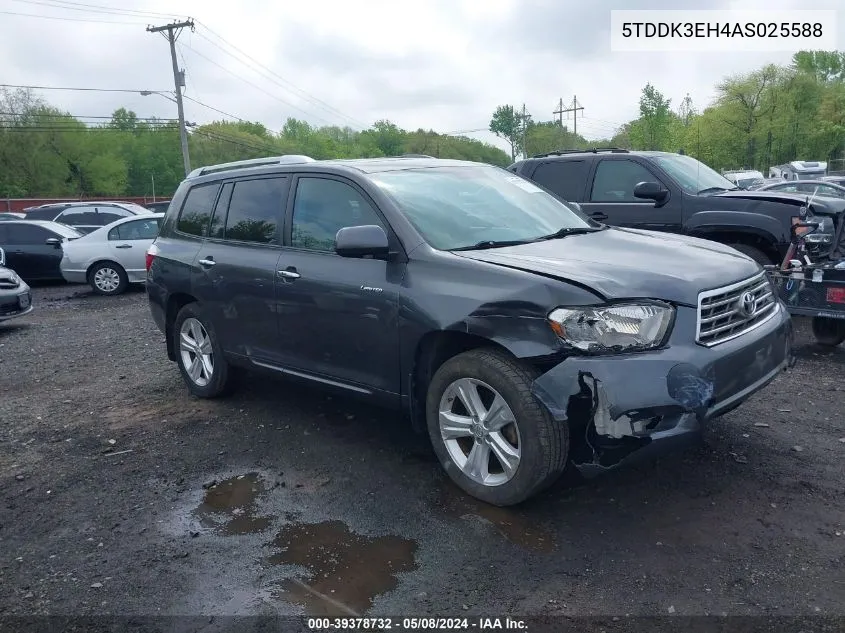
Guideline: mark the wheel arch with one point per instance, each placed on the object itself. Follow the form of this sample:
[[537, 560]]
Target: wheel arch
[[175, 302], [102, 260], [432, 350]]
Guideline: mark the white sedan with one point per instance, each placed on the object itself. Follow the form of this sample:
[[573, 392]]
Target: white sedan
[[113, 256]]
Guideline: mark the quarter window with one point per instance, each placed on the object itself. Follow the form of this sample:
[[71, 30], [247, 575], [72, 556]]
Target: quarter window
[[615, 181], [196, 212], [322, 207]]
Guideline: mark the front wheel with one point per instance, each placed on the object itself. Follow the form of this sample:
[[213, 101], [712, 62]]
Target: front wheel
[[829, 332], [490, 433], [198, 354], [754, 253]]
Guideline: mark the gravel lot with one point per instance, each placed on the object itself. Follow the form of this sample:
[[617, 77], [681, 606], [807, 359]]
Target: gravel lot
[[323, 505]]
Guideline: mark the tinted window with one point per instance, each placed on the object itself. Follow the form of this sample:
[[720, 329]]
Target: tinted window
[[196, 212], [322, 207], [615, 181], [564, 178], [218, 220], [107, 215], [136, 230], [25, 234], [79, 216], [255, 210]]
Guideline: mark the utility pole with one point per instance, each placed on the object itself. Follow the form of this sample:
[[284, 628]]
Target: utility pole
[[173, 31], [524, 125], [574, 108], [560, 112]]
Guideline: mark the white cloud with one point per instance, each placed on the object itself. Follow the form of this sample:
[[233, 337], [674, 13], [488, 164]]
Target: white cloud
[[441, 64]]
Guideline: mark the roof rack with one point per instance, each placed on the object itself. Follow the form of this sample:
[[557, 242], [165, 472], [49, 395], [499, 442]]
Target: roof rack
[[594, 150], [287, 159]]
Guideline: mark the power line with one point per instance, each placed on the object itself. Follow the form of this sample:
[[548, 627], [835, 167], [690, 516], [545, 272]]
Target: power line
[[303, 94], [55, 17], [223, 138], [47, 115], [77, 89], [256, 86], [205, 105], [96, 8]]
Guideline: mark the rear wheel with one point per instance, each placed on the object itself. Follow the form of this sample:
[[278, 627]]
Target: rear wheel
[[828, 332], [754, 253], [108, 278], [491, 435], [198, 354]]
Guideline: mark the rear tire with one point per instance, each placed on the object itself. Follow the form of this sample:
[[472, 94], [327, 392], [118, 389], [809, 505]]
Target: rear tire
[[199, 355], [108, 278], [754, 253], [501, 458], [828, 332]]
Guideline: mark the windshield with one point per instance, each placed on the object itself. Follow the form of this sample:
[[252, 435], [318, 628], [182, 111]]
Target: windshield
[[64, 230], [692, 175], [456, 207], [745, 183]]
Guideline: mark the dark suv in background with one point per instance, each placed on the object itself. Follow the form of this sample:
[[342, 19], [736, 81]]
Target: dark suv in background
[[515, 330], [674, 193]]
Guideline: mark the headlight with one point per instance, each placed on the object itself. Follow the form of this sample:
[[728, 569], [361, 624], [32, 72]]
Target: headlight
[[613, 328]]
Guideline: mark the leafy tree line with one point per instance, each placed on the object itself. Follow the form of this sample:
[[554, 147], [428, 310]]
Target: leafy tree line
[[45, 152], [767, 117]]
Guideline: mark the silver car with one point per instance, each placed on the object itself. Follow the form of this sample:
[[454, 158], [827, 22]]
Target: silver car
[[15, 295], [113, 256]]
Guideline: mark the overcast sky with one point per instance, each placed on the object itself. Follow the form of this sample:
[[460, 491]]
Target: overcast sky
[[441, 64]]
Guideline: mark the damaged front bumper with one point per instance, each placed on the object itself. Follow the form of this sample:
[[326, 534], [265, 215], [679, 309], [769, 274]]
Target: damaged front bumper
[[627, 407]]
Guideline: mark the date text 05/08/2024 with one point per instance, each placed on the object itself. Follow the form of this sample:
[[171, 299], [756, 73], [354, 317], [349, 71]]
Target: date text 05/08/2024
[[416, 624]]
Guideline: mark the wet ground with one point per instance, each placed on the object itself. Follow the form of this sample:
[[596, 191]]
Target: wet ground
[[121, 494]]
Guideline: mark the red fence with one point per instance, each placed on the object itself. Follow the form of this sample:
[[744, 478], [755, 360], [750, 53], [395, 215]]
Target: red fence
[[19, 204]]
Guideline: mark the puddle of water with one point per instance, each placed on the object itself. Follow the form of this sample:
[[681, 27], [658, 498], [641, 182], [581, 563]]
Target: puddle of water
[[229, 506], [345, 571], [514, 526]]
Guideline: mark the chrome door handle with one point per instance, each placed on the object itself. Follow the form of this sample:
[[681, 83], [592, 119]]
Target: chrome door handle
[[207, 262], [288, 274]]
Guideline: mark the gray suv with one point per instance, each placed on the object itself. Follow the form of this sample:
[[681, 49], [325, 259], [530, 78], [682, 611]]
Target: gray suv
[[515, 331]]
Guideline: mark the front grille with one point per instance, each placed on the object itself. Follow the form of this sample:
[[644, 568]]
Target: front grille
[[730, 311], [8, 284]]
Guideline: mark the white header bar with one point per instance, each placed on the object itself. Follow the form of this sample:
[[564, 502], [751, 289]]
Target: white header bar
[[719, 31]]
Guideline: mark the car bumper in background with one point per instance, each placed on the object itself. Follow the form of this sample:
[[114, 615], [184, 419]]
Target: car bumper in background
[[75, 276], [15, 303], [631, 406]]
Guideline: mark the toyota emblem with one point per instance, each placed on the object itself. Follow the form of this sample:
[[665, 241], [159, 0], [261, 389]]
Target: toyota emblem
[[746, 304]]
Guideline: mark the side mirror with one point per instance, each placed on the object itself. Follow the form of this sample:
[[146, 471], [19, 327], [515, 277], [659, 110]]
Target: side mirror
[[575, 206], [53, 241], [362, 241], [651, 191]]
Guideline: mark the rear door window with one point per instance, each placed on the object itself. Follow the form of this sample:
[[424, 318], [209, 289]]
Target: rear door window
[[255, 211], [565, 178], [195, 215]]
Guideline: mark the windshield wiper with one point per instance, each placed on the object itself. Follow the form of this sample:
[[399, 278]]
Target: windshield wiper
[[478, 246], [570, 230], [716, 189]]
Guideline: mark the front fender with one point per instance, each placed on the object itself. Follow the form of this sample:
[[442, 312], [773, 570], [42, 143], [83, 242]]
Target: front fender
[[763, 226]]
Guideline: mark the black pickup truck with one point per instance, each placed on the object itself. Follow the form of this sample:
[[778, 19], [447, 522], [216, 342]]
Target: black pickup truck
[[661, 191]]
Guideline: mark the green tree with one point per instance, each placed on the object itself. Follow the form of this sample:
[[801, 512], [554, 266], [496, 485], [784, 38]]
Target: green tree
[[507, 124]]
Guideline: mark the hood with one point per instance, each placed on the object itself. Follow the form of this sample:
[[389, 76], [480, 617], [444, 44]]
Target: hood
[[629, 263]]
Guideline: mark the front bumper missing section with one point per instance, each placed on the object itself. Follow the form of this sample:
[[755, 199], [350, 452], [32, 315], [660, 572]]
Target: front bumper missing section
[[629, 407]]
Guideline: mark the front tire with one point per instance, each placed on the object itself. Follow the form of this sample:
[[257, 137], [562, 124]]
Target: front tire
[[754, 253], [491, 435], [108, 278], [199, 355], [828, 332]]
